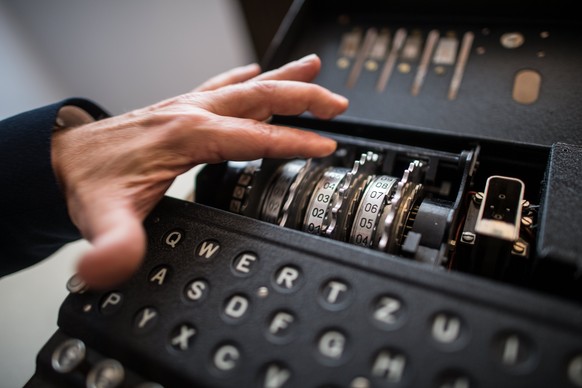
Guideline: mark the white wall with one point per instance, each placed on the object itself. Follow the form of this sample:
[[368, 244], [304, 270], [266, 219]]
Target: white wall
[[25, 79], [127, 54], [123, 55]]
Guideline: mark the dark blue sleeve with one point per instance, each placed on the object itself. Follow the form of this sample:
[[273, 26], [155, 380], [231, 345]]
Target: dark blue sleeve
[[34, 221]]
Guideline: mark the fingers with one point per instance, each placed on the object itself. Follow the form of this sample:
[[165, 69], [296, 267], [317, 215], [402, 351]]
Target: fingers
[[227, 138], [304, 69], [119, 244], [283, 91], [236, 75], [260, 100]]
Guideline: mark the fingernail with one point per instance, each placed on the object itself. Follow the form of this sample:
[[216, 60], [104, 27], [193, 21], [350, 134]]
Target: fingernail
[[342, 99], [308, 58], [328, 146]]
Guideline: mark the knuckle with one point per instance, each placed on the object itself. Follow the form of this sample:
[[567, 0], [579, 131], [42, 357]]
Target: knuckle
[[267, 88], [266, 132], [267, 136]]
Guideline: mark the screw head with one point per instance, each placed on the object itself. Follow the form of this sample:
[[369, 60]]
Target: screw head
[[478, 197], [468, 237]]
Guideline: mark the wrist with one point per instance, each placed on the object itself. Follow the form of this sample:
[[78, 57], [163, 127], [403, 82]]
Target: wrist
[[68, 117]]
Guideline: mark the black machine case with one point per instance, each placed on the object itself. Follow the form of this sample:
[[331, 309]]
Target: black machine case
[[440, 246]]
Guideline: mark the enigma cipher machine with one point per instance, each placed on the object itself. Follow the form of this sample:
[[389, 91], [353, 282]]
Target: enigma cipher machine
[[439, 246]]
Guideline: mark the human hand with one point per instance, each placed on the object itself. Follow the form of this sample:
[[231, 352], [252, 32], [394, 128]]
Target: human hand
[[114, 171]]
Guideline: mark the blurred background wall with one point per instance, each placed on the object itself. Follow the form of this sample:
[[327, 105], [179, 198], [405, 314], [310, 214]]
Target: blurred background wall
[[123, 55]]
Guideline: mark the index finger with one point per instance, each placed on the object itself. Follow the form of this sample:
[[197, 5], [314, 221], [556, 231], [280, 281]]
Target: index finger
[[304, 69], [259, 100]]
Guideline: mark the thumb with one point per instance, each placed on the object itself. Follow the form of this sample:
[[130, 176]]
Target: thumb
[[119, 245]]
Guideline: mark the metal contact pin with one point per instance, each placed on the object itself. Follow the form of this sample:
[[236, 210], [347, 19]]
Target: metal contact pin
[[399, 38], [461, 63], [371, 35], [431, 41]]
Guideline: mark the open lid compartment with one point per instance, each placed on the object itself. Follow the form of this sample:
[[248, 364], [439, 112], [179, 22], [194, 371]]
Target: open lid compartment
[[535, 42]]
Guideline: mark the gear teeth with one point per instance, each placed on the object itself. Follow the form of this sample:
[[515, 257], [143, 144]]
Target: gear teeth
[[366, 165], [407, 191], [293, 191]]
